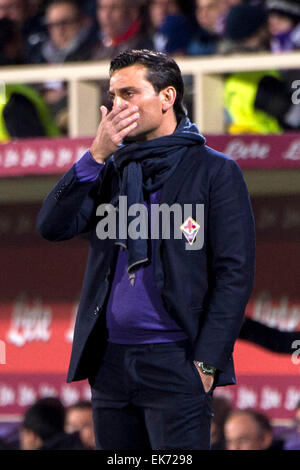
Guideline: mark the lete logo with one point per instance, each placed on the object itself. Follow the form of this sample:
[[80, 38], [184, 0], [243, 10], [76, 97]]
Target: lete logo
[[293, 152], [238, 149], [30, 322]]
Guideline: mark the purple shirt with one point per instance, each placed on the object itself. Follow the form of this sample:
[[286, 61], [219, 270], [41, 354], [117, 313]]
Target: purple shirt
[[87, 169], [134, 314]]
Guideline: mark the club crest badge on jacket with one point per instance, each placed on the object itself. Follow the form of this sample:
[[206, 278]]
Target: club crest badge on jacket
[[190, 228]]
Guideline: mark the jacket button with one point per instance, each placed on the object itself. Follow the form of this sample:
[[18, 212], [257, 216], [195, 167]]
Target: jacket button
[[96, 310]]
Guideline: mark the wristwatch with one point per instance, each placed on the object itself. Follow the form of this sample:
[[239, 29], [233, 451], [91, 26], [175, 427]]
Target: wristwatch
[[206, 368]]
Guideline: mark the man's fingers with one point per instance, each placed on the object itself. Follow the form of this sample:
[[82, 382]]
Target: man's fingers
[[118, 123], [119, 113], [124, 114], [124, 132], [118, 109], [104, 111], [124, 123]]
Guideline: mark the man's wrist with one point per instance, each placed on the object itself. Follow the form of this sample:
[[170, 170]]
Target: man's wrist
[[87, 168], [206, 368], [97, 157]]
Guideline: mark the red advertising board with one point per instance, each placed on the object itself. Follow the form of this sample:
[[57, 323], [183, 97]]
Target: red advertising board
[[50, 156]]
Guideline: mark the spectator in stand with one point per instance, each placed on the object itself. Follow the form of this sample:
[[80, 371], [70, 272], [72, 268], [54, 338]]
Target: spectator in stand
[[297, 417], [284, 28], [228, 4], [172, 26], [122, 27], [71, 37], [28, 15], [160, 9], [13, 9], [209, 16], [245, 30], [249, 429], [256, 102], [79, 418], [293, 442], [23, 112], [43, 428], [284, 24], [11, 47]]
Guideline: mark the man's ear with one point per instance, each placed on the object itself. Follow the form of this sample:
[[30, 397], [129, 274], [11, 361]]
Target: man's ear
[[267, 439], [168, 97]]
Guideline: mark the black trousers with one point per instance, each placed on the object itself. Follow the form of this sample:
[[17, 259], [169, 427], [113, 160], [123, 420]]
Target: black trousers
[[150, 397]]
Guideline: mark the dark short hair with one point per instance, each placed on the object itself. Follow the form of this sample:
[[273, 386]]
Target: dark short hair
[[46, 417], [80, 405], [262, 420], [162, 72], [73, 3]]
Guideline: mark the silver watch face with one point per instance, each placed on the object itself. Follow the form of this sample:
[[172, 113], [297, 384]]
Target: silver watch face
[[207, 369]]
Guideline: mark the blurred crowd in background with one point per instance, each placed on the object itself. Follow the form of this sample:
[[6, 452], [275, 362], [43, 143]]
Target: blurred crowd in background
[[48, 425], [60, 31]]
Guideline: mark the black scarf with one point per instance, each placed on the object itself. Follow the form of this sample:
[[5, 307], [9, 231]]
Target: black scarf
[[147, 166]]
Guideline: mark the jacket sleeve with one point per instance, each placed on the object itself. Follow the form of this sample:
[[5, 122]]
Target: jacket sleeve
[[69, 208], [231, 247], [267, 337]]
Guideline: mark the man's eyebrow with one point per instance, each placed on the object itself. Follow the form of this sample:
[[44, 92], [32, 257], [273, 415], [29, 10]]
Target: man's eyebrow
[[124, 89]]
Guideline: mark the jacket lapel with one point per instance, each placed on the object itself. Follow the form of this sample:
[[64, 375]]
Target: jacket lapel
[[169, 195]]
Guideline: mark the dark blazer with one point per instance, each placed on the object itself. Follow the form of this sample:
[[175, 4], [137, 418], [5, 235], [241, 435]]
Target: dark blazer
[[205, 291]]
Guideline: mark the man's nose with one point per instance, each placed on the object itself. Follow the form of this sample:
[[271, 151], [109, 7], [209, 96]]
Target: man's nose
[[118, 101]]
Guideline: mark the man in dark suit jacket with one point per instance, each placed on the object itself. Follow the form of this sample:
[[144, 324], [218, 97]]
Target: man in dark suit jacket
[[158, 315]]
